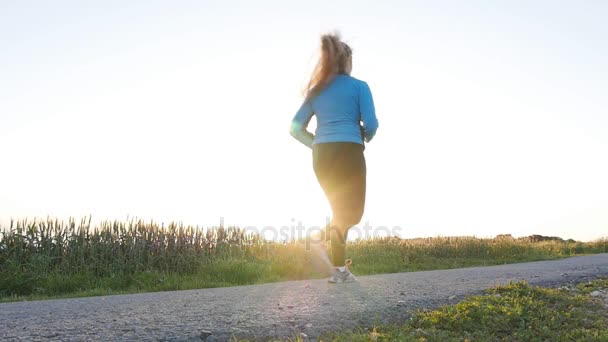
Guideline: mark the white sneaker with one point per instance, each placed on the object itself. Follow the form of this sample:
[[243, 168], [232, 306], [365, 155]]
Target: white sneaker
[[345, 276]]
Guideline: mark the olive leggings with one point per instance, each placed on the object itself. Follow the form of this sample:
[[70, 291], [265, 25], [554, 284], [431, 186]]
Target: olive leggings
[[341, 171]]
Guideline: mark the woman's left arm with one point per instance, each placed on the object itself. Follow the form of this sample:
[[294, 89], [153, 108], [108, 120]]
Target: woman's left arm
[[300, 123]]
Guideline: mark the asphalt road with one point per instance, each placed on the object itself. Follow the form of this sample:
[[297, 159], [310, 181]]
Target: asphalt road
[[284, 309]]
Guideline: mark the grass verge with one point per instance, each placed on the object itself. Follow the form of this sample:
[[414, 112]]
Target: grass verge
[[514, 312]]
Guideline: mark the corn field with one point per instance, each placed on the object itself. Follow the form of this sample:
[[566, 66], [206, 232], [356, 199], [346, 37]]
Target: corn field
[[121, 247], [34, 253]]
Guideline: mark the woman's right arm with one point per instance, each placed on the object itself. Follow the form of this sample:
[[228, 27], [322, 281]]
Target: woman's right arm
[[368, 112]]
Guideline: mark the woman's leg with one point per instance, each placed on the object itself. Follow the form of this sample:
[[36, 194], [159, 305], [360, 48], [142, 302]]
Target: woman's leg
[[338, 235], [341, 171]]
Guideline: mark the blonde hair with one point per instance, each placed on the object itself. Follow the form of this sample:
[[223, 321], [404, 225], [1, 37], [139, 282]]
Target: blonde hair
[[335, 56]]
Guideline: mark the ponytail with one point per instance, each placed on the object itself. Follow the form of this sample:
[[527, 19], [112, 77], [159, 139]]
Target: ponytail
[[334, 57]]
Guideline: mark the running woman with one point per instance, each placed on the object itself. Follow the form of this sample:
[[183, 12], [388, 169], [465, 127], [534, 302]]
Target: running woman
[[346, 119]]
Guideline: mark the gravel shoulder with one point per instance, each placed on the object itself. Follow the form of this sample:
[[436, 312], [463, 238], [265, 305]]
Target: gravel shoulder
[[274, 310]]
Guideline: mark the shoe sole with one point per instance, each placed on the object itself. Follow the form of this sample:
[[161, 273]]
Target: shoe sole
[[342, 281]]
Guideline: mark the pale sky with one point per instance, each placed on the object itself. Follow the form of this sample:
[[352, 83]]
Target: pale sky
[[492, 114]]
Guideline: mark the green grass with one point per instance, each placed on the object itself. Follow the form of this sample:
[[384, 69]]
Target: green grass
[[514, 312], [53, 259]]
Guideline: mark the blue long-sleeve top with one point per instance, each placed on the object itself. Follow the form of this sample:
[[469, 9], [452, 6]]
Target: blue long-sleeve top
[[345, 113]]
